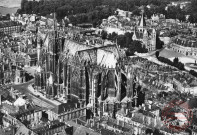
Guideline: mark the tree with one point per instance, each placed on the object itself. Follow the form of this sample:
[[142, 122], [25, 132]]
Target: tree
[[104, 34], [157, 54], [193, 18], [180, 66], [149, 131], [159, 43], [157, 132], [128, 38], [136, 12], [121, 40], [176, 61], [135, 46], [23, 4], [181, 17], [64, 11], [8, 16], [193, 7], [113, 36], [19, 11]]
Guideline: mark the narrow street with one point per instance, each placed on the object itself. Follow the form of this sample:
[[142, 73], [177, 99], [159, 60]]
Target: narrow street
[[39, 101]]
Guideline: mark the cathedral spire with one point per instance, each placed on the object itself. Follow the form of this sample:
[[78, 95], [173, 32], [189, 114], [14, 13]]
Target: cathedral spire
[[54, 21], [142, 22], [38, 51]]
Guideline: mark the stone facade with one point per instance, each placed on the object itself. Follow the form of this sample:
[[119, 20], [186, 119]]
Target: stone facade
[[185, 45], [145, 35]]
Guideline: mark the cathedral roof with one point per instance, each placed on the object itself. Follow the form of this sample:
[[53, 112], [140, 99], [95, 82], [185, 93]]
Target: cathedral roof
[[98, 57], [73, 47]]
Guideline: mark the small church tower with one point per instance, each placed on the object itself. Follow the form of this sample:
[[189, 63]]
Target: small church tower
[[145, 37], [142, 23], [144, 34], [153, 39], [38, 51]]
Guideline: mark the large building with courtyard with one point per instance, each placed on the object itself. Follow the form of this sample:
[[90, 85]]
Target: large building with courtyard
[[186, 45]]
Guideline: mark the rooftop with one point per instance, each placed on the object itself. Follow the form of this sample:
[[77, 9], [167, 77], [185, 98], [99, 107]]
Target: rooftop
[[52, 125]]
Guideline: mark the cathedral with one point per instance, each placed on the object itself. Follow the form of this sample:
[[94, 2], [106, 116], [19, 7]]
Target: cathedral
[[94, 74], [145, 34]]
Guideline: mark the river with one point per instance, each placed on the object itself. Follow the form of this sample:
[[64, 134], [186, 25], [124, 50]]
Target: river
[[9, 6], [6, 10]]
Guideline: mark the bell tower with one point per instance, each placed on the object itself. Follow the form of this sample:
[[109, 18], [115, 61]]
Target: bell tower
[[142, 22]]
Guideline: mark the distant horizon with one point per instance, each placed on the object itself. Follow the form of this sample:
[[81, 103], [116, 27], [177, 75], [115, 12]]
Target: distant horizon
[[10, 3], [11, 7], [8, 10]]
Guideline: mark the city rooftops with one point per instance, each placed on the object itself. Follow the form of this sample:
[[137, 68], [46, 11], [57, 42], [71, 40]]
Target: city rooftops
[[65, 107], [25, 111], [146, 113], [52, 125]]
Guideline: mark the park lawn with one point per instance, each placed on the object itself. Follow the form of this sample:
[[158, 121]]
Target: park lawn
[[170, 54]]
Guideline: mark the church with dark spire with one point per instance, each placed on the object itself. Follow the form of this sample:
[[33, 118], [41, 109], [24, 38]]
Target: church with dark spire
[[145, 34]]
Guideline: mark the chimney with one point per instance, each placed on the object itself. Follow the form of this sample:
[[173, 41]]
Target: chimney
[[88, 121], [149, 106], [127, 111], [25, 106], [94, 122], [98, 125], [118, 122], [0, 100], [17, 109]]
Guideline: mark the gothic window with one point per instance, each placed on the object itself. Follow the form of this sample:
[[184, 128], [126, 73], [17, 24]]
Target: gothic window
[[110, 79]]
